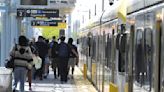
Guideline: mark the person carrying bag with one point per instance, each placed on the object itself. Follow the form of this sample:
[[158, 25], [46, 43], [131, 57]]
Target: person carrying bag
[[22, 62]]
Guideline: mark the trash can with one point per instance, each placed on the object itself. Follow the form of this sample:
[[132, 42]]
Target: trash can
[[5, 79]]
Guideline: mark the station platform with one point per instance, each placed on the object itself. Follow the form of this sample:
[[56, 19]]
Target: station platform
[[77, 84]]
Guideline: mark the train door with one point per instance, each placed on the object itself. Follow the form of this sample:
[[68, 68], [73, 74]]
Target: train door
[[145, 53]]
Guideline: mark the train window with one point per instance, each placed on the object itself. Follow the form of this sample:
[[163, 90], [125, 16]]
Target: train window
[[148, 40], [122, 42], [120, 45], [117, 41], [89, 45], [94, 48], [121, 60], [139, 57], [108, 50], [139, 36]]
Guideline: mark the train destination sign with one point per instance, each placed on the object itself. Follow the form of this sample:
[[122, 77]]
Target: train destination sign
[[44, 23], [37, 13]]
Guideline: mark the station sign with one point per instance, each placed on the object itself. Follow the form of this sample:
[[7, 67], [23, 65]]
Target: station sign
[[33, 2], [37, 13], [44, 23], [61, 25]]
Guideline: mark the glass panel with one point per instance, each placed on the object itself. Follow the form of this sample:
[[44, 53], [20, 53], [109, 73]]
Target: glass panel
[[93, 57], [138, 64], [98, 62], [101, 61], [148, 60], [108, 63], [89, 63], [108, 51]]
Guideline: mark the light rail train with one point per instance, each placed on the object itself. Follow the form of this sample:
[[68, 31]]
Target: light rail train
[[129, 55]]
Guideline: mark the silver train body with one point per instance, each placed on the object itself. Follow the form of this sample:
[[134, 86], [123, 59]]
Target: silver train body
[[129, 55]]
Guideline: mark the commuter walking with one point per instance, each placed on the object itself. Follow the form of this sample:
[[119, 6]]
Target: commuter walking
[[30, 72], [73, 60], [37, 65], [22, 57], [63, 54], [54, 57], [42, 48], [47, 60]]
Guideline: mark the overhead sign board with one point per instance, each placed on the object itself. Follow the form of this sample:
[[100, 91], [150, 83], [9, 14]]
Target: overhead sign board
[[60, 26], [44, 23], [33, 2], [37, 13]]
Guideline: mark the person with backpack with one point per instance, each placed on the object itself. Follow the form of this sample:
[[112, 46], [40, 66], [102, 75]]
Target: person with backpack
[[73, 60], [22, 62], [63, 52], [54, 57]]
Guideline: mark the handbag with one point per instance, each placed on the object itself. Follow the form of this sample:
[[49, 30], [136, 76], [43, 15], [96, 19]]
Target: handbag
[[10, 62]]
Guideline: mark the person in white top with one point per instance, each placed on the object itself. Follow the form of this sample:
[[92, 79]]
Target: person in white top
[[37, 63]]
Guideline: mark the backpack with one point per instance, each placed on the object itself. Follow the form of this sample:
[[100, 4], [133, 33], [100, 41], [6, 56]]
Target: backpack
[[63, 50], [74, 48]]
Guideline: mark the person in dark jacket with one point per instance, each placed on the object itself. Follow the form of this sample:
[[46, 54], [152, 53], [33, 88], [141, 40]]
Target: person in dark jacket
[[22, 61], [63, 52], [42, 48], [54, 56]]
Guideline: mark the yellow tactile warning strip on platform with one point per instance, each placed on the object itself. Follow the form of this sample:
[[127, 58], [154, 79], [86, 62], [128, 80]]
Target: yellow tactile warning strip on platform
[[113, 88], [83, 85]]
